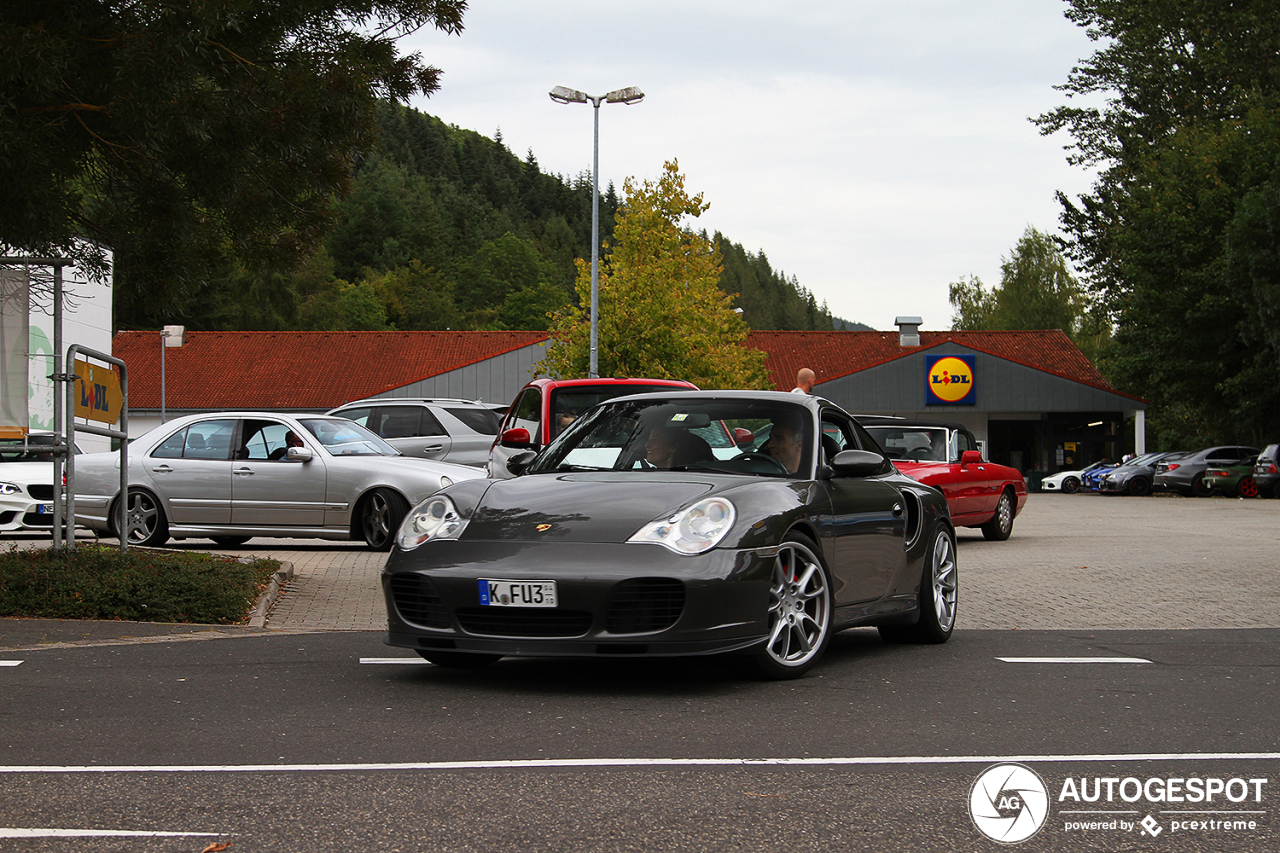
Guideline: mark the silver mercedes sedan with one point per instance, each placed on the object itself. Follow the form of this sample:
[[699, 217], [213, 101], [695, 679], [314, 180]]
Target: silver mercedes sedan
[[230, 476]]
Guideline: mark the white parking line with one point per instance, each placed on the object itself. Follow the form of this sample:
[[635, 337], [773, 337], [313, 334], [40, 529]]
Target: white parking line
[[392, 660], [557, 763], [1074, 660], [10, 662], [23, 832]]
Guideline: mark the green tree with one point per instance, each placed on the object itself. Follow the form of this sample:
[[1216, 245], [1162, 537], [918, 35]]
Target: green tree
[[662, 313], [1173, 234], [184, 134], [417, 297], [1036, 291]]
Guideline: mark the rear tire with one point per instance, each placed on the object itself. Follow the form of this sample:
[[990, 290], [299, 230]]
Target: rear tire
[[1247, 488], [380, 516], [458, 660], [1199, 489], [938, 596], [1001, 524]]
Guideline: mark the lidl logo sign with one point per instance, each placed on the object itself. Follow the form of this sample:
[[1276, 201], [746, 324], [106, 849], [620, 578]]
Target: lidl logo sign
[[98, 393], [950, 381]]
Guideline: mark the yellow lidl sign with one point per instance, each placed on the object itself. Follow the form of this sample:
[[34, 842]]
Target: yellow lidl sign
[[98, 396], [949, 381]]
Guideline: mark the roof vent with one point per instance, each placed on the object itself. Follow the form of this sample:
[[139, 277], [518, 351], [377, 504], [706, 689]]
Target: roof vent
[[908, 331]]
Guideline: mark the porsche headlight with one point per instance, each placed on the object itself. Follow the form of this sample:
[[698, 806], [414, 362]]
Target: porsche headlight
[[434, 518], [693, 530]]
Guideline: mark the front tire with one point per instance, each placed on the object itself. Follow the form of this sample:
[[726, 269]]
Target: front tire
[[380, 516], [799, 614], [144, 520], [1001, 524], [1139, 486], [939, 590], [1071, 485], [1199, 488]]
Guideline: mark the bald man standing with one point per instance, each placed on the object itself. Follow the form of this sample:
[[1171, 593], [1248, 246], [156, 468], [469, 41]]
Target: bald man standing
[[804, 382]]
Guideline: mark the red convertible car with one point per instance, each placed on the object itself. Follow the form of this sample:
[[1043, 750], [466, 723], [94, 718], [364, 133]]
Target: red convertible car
[[946, 456]]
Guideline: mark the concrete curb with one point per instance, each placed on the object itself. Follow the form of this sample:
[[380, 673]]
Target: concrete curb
[[258, 618]]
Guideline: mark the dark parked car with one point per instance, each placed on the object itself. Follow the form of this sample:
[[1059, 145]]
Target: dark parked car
[[980, 494], [609, 544], [1266, 471], [544, 407], [446, 430], [1235, 481], [1186, 475], [1135, 476]]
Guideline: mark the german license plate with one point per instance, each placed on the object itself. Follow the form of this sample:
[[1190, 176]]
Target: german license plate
[[44, 509], [518, 593]]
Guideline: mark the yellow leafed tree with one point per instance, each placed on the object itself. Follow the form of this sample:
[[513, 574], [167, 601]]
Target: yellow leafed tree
[[662, 312]]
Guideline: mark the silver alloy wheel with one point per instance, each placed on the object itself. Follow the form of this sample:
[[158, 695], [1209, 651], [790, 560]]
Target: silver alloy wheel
[[943, 574], [383, 511], [799, 607], [1004, 512], [142, 518]]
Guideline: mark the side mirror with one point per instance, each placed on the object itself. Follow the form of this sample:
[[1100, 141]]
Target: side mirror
[[298, 454], [742, 436], [857, 463], [971, 457], [520, 461], [516, 437]]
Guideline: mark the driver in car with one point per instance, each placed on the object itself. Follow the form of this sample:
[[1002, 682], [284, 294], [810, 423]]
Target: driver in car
[[785, 443]]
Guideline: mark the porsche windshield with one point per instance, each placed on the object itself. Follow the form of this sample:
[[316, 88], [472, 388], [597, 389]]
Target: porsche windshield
[[734, 436]]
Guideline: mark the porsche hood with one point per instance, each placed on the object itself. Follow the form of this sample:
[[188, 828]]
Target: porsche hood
[[578, 507]]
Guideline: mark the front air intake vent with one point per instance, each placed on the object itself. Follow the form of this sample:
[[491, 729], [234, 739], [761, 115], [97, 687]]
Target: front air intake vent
[[534, 622], [644, 605], [417, 601]]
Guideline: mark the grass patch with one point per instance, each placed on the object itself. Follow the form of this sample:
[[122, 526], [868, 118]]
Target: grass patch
[[98, 582]]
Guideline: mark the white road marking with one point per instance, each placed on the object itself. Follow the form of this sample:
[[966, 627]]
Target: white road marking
[[10, 662], [544, 763], [392, 660], [16, 832], [1074, 660]]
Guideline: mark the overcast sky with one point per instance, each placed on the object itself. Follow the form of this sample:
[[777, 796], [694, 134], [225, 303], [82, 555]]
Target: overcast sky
[[876, 151]]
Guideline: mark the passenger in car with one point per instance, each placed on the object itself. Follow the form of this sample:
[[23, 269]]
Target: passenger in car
[[668, 447]]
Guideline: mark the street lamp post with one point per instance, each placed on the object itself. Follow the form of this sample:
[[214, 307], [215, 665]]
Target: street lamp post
[[629, 95]]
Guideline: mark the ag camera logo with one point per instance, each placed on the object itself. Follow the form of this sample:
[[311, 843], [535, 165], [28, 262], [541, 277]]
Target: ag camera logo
[[1009, 803]]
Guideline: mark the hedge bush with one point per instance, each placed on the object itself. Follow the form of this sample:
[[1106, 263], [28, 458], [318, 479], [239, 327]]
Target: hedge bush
[[99, 582]]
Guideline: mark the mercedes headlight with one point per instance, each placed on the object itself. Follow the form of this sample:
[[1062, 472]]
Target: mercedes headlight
[[434, 518], [692, 530]]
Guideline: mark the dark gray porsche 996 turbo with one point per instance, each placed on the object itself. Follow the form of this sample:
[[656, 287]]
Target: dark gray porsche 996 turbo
[[655, 526]]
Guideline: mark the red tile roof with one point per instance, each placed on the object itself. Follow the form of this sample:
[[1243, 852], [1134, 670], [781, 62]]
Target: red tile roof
[[320, 370], [296, 370], [834, 354]]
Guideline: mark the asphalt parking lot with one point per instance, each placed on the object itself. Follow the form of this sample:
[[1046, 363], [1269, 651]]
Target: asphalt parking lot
[[1074, 562]]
